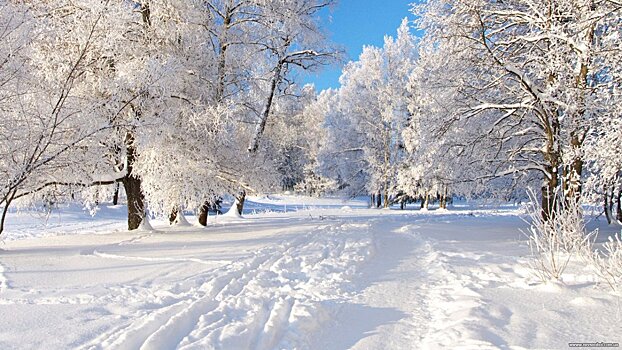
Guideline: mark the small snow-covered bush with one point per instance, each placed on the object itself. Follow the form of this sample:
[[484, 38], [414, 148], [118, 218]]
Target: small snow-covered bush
[[554, 241], [608, 262]]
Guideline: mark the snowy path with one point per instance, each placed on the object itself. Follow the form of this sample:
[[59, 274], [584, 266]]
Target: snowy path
[[391, 310], [434, 284], [317, 279]]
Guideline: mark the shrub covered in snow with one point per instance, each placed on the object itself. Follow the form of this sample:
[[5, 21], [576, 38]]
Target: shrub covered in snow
[[608, 262], [556, 239]]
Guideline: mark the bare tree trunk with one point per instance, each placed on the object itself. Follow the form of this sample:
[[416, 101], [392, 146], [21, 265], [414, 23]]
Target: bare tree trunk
[[132, 185], [373, 200], [135, 202], [426, 201], [378, 200]]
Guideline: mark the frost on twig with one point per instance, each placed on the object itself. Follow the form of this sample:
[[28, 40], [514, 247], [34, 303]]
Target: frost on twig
[[608, 262]]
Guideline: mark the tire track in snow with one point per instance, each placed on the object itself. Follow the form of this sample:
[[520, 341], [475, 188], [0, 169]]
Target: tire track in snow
[[132, 336], [169, 325], [260, 302], [246, 272], [180, 325], [179, 314]]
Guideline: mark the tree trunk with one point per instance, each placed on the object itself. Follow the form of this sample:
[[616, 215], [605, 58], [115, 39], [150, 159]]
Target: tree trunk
[[132, 185], [8, 200], [619, 208], [239, 201], [426, 201], [444, 197], [173, 216], [373, 200], [203, 212], [378, 200], [571, 178], [607, 207], [222, 56], [115, 197], [135, 202], [254, 144], [549, 193]]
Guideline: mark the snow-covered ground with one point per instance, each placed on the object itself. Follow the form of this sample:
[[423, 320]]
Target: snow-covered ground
[[294, 273]]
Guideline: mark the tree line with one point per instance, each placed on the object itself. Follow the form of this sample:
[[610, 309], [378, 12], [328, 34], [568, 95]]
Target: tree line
[[492, 98]]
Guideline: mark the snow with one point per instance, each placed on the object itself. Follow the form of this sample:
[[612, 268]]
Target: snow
[[300, 273]]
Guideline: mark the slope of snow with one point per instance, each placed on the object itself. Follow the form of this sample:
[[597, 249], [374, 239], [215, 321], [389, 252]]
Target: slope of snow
[[333, 275]]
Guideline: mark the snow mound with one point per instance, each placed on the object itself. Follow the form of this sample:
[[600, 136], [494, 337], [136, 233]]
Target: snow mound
[[145, 226], [232, 213], [181, 220]]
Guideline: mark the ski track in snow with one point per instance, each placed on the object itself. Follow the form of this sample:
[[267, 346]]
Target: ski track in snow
[[271, 300], [151, 259], [364, 280]]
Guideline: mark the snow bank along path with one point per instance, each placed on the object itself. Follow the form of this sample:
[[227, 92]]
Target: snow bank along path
[[314, 279]]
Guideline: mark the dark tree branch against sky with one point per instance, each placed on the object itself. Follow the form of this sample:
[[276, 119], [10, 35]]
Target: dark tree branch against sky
[[355, 23]]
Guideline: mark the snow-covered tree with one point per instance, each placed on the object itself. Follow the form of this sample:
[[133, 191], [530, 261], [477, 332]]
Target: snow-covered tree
[[293, 41], [135, 56], [604, 164], [371, 112], [49, 125], [528, 80]]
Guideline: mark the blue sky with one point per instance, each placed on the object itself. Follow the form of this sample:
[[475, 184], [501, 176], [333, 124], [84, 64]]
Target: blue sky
[[354, 23]]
